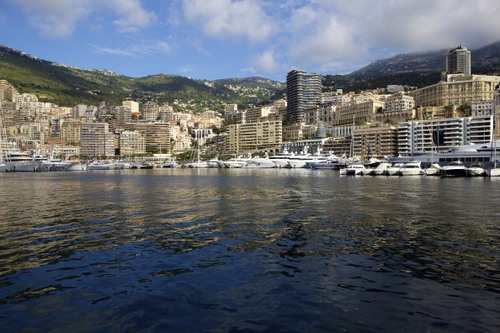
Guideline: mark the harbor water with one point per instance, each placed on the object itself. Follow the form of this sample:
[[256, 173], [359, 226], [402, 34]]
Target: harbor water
[[248, 250]]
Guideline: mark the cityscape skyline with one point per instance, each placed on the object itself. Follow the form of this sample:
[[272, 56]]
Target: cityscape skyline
[[224, 38]]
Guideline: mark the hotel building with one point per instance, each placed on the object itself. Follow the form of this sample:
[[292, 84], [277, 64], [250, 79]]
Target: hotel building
[[457, 90]]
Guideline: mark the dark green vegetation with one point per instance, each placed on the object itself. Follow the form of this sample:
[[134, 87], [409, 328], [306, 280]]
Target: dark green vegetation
[[417, 69], [68, 86]]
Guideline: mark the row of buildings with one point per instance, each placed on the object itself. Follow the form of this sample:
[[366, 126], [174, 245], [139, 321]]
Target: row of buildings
[[457, 110], [100, 131]]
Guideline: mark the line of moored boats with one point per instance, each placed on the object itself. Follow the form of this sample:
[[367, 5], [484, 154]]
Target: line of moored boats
[[17, 161]]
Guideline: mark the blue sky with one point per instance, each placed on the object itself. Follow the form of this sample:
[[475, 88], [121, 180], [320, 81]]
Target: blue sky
[[216, 39]]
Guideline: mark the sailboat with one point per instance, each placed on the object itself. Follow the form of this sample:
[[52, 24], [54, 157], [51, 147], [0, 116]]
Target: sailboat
[[198, 163]]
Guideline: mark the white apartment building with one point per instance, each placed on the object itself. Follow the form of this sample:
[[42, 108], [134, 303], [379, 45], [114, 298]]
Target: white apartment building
[[443, 134]]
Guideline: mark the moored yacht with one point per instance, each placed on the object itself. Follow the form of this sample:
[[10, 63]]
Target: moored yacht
[[433, 170], [355, 170], [380, 169], [20, 161], [393, 170], [413, 168], [475, 170], [454, 169]]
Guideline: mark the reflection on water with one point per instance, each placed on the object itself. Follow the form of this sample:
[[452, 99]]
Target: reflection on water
[[248, 250]]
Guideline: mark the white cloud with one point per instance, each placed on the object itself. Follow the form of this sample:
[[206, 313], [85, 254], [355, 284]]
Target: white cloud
[[137, 49], [228, 18], [55, 18], [58, 18], [132, 15], [329, 33], [266, 62]]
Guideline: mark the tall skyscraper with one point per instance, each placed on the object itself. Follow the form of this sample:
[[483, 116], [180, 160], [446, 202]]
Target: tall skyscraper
[[458, 60], [303, 92]]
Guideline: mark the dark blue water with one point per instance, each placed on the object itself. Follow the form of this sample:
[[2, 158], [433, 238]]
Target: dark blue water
[[178, 250]]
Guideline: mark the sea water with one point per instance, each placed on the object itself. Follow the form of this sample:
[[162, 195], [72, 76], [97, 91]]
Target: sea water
[[247, 250]]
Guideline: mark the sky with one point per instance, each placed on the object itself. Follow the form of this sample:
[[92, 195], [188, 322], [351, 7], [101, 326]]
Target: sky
[[217, 39]]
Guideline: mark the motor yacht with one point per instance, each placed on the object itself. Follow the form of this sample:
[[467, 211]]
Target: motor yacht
[[355, 170], [475, 170], [454, 169], [413, 168]]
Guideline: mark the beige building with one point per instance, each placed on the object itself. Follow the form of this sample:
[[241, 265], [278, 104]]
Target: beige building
[[358, 110], [258, 114], [375, 142], [7, 91], [70, 132], [134, 107], [157, 135], [399, 102], [254, 136], [457, 90], [132, 143], [96, 140]]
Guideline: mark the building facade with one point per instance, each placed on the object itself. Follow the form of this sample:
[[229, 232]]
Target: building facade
[[157, 135], [303, 91], [377, 142], [132, 143], [96, 140], [458, 60], [254, 136], [442, 134], [457, 90]]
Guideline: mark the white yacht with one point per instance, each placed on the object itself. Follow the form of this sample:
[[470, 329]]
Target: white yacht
[[475, 170], [433, 170], [467, 154], [54, 164], [281, 159], [260, 162], [381, 169], [493, 172], [97, 165], [20, 161], [394, 169], [413, 168], [235, 163], [197, 165], [355, 170], [454, 169]]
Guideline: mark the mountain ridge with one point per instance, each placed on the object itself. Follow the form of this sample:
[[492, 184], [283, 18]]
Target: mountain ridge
[[67, 85]]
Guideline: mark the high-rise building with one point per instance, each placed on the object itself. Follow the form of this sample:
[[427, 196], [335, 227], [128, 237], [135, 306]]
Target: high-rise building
[[96, 140], [458, 60], [303, 92]]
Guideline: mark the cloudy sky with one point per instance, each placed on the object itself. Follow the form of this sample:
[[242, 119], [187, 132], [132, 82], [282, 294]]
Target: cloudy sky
[[215, 39]]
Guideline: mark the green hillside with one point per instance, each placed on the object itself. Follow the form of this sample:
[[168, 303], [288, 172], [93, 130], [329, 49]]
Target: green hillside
[[68, 86]]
